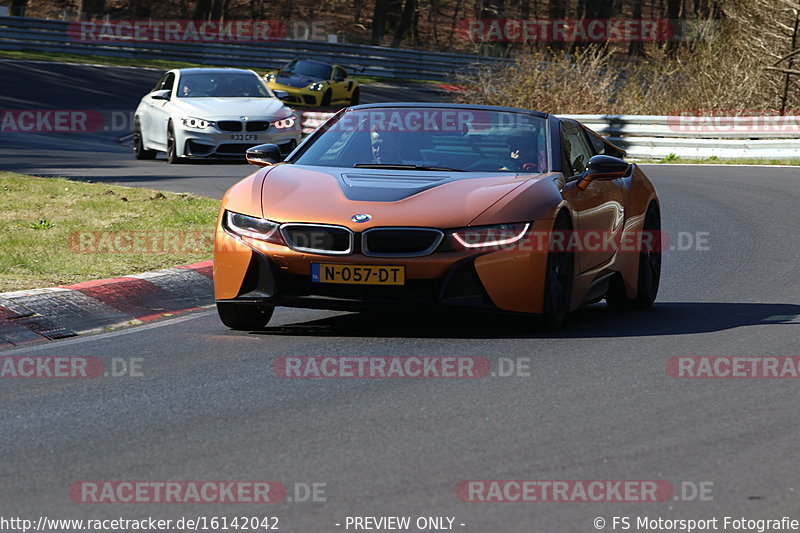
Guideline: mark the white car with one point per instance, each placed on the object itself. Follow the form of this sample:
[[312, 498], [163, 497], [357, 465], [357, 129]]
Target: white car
[[209, 112]]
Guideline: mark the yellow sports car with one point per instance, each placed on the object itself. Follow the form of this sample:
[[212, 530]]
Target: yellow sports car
[[314, 83]]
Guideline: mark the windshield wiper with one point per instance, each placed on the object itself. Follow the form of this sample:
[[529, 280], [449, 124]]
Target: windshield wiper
[[393, 166]]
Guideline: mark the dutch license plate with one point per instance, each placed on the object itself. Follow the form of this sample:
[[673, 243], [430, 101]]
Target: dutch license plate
[[358, 274]]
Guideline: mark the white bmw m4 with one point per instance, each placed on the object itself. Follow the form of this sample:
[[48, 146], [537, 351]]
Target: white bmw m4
[[211, 113]]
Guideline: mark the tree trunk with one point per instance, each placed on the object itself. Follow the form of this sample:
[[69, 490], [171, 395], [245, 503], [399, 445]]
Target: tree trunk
[[636, 47], [18, 8], [556, 10], [202, 10], [378, 22], [405, 22], [674, 16], [257, 9]]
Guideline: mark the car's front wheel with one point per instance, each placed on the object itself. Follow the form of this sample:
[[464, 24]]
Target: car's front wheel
[[139, 151], [326, 98], [649, 268], [244, 317], [172, 148], [558, 279]]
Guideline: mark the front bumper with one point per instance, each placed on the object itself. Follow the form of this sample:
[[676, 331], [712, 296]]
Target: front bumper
[[266, 283], [302, 96], [198, 144], [263, 273]]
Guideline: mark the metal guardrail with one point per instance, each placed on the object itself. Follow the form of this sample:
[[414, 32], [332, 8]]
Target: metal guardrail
[[26, 34], [688, 137], [700, 136]]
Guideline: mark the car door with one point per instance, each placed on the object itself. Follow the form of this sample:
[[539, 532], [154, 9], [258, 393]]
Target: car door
[[159, 112], [600, 207]]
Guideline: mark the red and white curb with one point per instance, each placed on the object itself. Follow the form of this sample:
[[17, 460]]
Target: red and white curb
[[58, 312]]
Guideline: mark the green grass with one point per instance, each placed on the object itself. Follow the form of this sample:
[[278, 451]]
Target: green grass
[[55, 231]]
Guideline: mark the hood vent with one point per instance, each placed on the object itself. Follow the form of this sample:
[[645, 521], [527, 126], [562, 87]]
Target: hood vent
[[387, 188]]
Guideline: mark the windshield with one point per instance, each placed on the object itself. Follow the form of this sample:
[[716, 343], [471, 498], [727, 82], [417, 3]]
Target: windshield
[[311, 69], [222, 85], [432, 139]]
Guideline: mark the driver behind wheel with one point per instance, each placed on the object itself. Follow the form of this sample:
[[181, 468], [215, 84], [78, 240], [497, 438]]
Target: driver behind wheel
[[524, 154]]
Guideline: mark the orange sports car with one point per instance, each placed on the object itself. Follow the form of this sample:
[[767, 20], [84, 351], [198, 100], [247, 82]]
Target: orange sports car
[[420, 205]]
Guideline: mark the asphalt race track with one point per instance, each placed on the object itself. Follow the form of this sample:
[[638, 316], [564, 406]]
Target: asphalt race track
[[114, 93], [597, 403]]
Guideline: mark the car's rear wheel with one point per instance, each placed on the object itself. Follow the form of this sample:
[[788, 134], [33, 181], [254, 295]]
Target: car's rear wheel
[[355, 97], [649, 268], [172, 148], [558, 279], [139, 151], [244, 317], [326, 98]]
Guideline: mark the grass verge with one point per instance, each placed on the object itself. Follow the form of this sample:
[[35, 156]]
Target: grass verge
[[54, 231]]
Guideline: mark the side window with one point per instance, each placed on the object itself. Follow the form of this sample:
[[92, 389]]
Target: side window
[[575, 149], [165, 83], [596, 142], [338, 74], [159, 83], [169, 81]]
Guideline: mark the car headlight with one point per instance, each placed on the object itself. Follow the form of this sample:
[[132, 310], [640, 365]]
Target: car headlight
[[253, 227], [501, 236], [316, 86], [285, 123], [269, 77], [196, 123]]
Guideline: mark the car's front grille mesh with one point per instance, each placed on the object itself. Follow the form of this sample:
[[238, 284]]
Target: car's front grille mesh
[[318, 238], [257, 125], [235, 125], [400, 242], [229, 125]]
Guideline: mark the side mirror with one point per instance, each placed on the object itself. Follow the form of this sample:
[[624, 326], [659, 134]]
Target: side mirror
[[264, 155], [603, 167], [160, 95], [281, 95]]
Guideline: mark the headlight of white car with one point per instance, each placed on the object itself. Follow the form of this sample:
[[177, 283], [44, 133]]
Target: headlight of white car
[[196, 123], [285, 123], [316, 86]]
